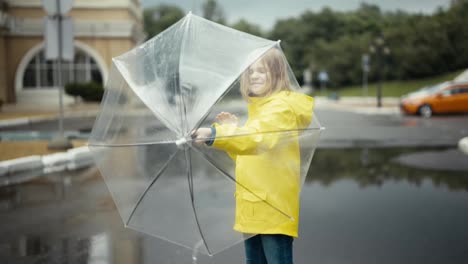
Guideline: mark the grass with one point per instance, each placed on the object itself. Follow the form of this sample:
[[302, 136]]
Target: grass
[[393, 88]]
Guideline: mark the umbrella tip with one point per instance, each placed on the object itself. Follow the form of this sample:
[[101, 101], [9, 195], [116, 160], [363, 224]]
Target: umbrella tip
[[279, 41], [189, 13], [322, 128]]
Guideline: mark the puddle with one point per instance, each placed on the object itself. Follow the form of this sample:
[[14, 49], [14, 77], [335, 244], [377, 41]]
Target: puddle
[[360, 205]]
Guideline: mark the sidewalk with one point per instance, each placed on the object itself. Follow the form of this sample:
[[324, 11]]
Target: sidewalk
[[13, 115], [25, 157], [361, 105]]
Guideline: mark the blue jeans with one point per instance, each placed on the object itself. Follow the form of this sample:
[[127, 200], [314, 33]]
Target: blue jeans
[[269, 249]]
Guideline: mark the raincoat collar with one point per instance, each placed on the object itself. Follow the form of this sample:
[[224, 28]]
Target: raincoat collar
[[301, 104], [253, 100]]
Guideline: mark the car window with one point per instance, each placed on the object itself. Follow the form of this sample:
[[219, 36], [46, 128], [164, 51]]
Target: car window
[[460, 90], [464, 90], [447, 92], [435, 88]]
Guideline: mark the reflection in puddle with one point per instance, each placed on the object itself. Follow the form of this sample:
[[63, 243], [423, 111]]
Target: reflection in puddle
[[62, 218], [35, 249], [446, 160], [374, 166], [357, 205], [100, 249]]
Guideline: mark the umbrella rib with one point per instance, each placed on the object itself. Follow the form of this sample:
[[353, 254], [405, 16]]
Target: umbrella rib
[[131, 144], [207, 158], [164, 167], [261, 132], [209, 109], [228, 90], [190, 182]]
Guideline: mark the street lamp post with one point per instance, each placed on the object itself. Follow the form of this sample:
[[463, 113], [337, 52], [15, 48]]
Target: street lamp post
[[380, 49], [365, 71], [58, 46], [323, 78], [308, 80]]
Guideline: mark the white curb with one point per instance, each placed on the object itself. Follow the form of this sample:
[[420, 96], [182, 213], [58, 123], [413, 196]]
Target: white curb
[[463, 145], [79, 158], [55, 162], [22, 164], [73, 159]]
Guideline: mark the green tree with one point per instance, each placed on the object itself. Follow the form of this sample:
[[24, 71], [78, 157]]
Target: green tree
[[212, 11], [156, 19], [421, 45], [340, 58], [244, 26], [292, 33]]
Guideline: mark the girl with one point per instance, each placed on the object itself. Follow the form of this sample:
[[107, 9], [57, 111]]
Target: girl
[[267, 162]]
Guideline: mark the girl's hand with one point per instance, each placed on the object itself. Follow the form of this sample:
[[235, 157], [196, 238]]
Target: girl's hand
[[201, 135], [227, 118]]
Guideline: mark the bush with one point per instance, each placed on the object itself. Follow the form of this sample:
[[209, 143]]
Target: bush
[[90, 92]]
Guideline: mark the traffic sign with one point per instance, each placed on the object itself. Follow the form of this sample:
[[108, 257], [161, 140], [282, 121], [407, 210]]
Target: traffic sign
[[365, 62], [57, 7], [54, 33], [323, 76]]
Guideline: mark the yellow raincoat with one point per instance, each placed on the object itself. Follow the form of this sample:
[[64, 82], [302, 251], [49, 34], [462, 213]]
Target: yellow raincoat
[[267, 162]]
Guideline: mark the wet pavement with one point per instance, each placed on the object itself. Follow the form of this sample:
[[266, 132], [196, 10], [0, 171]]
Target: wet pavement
[[348, 129], [359, 205], [382, 188]]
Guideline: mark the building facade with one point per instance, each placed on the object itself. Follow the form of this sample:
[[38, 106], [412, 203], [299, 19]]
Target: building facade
[[102, 30]]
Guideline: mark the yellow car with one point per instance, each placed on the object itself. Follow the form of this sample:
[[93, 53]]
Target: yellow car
[[447, 97]]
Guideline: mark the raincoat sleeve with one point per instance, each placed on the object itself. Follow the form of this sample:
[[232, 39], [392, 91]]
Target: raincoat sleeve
[[259, 134]]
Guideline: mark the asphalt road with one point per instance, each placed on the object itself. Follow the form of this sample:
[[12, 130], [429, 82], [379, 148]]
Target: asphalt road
[[347, 129]]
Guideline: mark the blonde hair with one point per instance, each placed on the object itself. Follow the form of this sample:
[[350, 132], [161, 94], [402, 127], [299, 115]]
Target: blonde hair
[[277, 68]]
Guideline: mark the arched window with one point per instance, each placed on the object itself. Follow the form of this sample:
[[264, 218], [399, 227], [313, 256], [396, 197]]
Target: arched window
[[42, 74]]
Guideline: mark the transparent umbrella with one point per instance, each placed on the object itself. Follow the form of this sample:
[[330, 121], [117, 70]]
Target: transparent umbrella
[[166, 184]]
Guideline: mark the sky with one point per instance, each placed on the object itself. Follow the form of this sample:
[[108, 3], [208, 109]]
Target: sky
[[265, 12]]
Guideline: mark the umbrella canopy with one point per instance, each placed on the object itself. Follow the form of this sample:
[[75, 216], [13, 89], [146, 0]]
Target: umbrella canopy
[[165, 185]]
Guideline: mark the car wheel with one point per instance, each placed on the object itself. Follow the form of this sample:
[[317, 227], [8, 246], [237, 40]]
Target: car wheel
[[425, 111]]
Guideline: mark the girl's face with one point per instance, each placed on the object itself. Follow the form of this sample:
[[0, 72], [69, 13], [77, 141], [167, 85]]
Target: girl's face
[[258, 75]]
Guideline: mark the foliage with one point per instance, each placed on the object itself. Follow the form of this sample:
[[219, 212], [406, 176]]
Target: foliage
[[421, 46], [244, 26], [212, 11], [370, 166], [91, 91], [156, 19]]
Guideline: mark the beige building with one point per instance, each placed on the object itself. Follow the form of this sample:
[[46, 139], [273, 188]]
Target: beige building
[[102, 29]]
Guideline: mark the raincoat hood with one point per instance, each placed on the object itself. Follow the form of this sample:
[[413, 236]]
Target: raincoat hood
[[302, 105]]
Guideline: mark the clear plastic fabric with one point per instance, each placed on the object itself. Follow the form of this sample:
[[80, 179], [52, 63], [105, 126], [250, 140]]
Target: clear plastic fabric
[[203, 196]]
